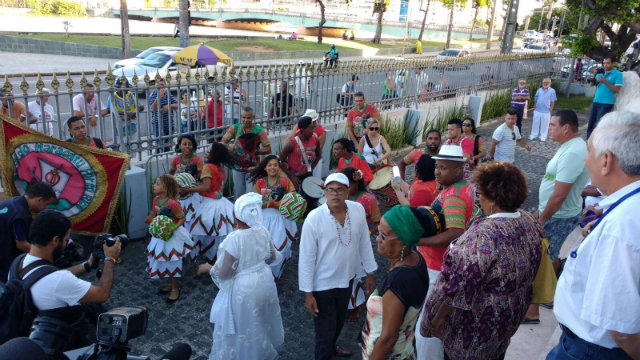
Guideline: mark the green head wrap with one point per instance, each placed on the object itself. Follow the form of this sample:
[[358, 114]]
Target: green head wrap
[[404, 224]]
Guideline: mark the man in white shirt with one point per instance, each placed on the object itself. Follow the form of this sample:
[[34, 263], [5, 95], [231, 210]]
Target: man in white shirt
[[41, 114], [334, 243], [506, 137], [48, 235], [597, 301], [88, 105]]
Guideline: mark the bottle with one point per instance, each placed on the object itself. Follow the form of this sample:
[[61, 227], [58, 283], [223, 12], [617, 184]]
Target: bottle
[[396, 174]]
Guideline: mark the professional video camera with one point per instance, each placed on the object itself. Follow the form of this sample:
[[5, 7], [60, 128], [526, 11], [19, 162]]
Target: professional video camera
[[115, 328], [592, 81], [98, 251]]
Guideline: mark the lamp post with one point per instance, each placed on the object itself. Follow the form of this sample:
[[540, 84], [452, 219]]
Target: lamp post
[[510, 28]]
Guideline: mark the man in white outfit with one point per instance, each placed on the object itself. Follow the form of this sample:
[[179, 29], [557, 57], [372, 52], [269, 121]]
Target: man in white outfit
[[545, 99]]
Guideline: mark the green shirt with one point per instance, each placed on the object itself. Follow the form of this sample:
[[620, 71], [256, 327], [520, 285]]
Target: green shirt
[[567, 166]]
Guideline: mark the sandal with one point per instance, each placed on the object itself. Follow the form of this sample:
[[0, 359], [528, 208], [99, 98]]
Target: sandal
[[169, 299], [164, 290], [527, 321]]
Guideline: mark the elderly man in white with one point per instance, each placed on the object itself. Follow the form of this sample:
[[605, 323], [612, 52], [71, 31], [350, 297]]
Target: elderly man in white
[[334, 243], [597, 300], [41, 114]]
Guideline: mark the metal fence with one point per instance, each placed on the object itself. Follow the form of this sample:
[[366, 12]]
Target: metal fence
[[329, 90]]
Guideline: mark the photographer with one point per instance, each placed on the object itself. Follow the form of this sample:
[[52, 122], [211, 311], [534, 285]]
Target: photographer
[[48, 235], [608, 84]]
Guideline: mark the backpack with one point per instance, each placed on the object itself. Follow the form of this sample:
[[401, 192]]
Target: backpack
[[17, 310]]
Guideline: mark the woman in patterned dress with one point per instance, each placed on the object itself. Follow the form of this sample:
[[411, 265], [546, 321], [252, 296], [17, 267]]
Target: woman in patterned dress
[[186, 149], [485, 285], [170, 242], [272, 183], [214, 217], [358, 193]]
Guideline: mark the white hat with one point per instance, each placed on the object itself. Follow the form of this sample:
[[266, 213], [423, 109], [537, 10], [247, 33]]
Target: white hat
[[337, 177], [312, 114], [300, 62], [450, 152]]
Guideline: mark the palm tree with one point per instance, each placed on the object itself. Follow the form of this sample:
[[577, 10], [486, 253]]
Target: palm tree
[[453, 2], [322, 20], [184, 21], [379, 6], [490, 22], [424, 19], [477, 4], [124, 26]]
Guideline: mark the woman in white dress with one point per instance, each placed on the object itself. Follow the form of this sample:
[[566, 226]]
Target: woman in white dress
[[374, 147], [246, 310]]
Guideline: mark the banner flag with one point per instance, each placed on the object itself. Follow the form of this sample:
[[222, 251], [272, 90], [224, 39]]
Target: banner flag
[[87, 180]]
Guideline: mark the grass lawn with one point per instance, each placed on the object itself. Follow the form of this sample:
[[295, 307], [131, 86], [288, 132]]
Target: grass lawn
[[574, 102]]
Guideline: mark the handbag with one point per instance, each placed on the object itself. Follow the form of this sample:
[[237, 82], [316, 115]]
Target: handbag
[[544, 284]]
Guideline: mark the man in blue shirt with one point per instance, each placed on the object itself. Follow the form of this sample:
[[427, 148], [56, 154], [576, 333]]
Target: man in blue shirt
[[545, 100], [607, 86], [161, 102], [519, 97]]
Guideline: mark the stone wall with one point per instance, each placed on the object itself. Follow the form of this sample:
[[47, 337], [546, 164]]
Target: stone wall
[[38, 46]]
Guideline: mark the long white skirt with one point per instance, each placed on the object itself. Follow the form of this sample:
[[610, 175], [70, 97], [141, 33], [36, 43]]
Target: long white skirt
[[164, 258], [282, 232], [257, 323], [189, 207], [212, 222]]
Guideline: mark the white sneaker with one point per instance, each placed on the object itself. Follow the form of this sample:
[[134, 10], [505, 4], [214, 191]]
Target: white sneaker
[[543, 140], [532, 138]]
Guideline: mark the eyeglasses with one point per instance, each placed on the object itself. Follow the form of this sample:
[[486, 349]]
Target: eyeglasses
[[466, 125], [336, 191], [513, 135], [386, 237], [374, 128]]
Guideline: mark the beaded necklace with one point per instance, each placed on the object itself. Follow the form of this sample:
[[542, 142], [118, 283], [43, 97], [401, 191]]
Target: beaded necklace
[[348, 223]]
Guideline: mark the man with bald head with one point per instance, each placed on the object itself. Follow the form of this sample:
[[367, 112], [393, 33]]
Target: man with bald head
[[545, 99]]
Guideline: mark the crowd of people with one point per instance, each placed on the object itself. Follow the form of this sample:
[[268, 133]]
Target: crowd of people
[[461, 253]]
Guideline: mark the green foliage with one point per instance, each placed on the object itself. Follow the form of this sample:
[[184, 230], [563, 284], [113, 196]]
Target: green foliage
[[120, 221], [57, 7], [393, 132], [481, 23], [496, 104], [410, 128], [583, 45], [570, 21], [454, 111]]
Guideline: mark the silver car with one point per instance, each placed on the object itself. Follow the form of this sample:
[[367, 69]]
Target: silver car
[[143, 55]]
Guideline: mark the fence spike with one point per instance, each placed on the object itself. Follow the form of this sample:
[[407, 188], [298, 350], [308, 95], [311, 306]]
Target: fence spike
[[24, 86], [39, 84], [6, 87], [157, 78], [179, 76], [96, 80], [134, 79], [55, 84], [187, 77], [196, 77], [168, 77], [110, 78]]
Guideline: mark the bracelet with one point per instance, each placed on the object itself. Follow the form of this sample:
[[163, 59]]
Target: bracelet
[[113, 261], [86, 266]]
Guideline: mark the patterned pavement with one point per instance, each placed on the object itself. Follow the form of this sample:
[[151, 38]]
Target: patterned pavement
[[187, 320]]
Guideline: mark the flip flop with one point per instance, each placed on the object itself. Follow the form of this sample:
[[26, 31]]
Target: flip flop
[[527, 321]]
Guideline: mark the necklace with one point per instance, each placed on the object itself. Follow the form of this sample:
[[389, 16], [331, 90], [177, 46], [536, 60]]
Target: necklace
[[347, 220]]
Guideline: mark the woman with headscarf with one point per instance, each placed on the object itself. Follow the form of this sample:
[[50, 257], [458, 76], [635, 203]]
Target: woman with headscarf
[[389, 334], [246, 310], [485, 285]]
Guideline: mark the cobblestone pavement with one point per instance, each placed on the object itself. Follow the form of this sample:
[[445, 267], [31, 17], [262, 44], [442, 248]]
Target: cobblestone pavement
[[187, 320]]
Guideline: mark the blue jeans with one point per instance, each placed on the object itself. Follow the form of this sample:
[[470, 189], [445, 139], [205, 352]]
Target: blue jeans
[[557, 230], [571, 348], [597, 111]]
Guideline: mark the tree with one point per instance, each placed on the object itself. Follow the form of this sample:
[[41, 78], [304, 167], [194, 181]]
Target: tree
[[323, 20], [570, 21], [184, 21], [491, 23], [379, 7], [603, 14], [450, 27], [124, 27], [477, 4], [424, 19]]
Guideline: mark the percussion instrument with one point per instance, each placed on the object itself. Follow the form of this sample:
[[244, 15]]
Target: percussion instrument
[[313, 187], [381, 187], [292, 206]]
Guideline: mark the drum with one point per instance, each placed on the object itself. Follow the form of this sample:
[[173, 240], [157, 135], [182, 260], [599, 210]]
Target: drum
[[322, 200], [381, 187], [313, 187], [292, 206]]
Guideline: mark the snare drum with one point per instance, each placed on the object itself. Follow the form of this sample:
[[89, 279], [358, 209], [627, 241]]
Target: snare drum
[[381, 187], [313, 187]]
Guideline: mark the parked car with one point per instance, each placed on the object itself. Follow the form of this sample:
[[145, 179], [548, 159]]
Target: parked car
[[143, 55], [534, 48], [452, 53], [529, 41], [162, 63]]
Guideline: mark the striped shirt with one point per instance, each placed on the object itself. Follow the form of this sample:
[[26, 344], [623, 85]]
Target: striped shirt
[[517, 92]]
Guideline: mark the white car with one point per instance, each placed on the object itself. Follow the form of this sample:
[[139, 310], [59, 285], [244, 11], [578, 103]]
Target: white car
[[162, 62], [533, 48], [143, 55], [452, 54]]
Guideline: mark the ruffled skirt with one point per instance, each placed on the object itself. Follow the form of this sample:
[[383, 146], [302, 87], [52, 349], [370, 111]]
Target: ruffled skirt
[[212, 221], [282, 232], [189, 207], [164, 258]]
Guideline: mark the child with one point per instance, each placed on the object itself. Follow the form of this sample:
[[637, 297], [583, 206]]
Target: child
[[170, 242], [213, 219], [189, 201], [272, 183], [357, 192], [186, 149]]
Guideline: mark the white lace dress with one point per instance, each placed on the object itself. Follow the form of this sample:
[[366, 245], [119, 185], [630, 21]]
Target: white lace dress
[[246, 311]]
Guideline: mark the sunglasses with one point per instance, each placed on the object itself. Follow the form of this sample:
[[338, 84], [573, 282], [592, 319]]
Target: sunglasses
[[374, 128], [467, 125], [513, 135]]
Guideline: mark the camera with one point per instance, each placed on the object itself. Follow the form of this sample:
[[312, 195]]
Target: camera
[[115, 328], [98, 251], [592, 81]]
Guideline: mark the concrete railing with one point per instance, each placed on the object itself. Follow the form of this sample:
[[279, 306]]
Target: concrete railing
[[18, 44]]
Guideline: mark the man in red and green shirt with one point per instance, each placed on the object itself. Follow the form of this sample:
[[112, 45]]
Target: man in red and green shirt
[[356, 118], [78, 131], [247, 159], [432, 146]]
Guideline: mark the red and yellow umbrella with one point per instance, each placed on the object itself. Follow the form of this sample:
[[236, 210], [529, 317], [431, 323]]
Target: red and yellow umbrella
[[201, 55]]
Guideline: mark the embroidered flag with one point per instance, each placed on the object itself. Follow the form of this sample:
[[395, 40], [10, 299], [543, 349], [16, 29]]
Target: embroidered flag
[[86, 180]]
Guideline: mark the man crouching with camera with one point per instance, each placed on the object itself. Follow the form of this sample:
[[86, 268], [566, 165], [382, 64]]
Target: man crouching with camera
[[48, 236]]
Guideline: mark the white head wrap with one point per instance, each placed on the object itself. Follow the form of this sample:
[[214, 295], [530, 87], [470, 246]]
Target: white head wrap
[[248, 209]]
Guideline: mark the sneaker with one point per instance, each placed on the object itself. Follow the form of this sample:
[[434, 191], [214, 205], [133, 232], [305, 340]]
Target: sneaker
[[531, 138], [543, 140]]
